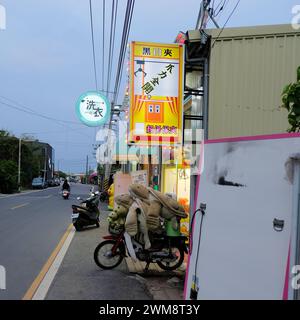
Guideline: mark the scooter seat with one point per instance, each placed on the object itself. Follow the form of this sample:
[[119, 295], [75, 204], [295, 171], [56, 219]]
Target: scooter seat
[[79, 207]]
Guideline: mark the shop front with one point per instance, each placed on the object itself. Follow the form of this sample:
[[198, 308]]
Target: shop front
[[176, 181]]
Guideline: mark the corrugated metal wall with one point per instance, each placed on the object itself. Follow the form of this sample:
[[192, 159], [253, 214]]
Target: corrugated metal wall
[[248, 69]]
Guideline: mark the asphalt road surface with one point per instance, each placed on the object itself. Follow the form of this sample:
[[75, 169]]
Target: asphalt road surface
[[31, 225]]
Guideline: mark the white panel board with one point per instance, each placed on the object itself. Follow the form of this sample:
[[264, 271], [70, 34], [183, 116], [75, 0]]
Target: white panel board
[[241, 255]]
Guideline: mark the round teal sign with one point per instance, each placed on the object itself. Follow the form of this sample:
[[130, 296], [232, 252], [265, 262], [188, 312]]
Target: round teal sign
[[93, 109]]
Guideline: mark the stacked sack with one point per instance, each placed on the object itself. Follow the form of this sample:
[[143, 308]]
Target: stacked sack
[[143, 210], [116, 219]]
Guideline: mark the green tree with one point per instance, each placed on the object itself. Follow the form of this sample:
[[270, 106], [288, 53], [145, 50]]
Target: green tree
[[291, 102], [31, 161], [8, 176], [4, 133]]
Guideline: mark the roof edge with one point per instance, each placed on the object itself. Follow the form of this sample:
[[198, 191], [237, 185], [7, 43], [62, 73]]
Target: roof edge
[[253, 31]]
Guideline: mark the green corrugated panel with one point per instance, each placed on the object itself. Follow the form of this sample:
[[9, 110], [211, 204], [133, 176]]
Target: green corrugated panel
[[247, 74]]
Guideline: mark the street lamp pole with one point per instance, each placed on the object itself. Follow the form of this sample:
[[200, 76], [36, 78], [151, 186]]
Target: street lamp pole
[[19, 166], [45, 164]]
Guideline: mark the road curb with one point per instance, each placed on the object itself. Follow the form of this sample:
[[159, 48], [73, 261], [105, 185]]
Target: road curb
[[5, 196]]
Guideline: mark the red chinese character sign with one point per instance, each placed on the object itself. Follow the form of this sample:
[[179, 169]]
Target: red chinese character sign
[[156, 93]]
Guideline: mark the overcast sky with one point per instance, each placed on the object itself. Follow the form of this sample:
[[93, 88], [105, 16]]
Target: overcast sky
[[46, 58]]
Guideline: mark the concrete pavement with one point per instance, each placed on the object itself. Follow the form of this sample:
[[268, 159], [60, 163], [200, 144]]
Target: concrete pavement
[[79, 278]]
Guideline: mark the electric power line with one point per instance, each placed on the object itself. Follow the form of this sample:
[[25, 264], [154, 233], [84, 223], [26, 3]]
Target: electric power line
[[125, 35], [103, 43], [212, 15], [223, 4], [32, 111], [113, 21], [122, 46], [57, 121], [93, 43], [229, 17]]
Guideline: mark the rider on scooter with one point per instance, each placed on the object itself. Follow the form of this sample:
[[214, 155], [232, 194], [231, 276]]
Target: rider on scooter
[[66, 186]]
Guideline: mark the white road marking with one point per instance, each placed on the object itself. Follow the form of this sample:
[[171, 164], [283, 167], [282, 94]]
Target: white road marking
[[47, 197], [20, 206], [43, 288]]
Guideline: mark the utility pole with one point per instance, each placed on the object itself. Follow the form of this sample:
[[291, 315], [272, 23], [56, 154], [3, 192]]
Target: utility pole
[[45, 164], [108, 165], [205, 13], [86, 169]]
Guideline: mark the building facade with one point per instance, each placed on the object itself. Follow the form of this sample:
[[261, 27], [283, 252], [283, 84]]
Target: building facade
[[248, 69]]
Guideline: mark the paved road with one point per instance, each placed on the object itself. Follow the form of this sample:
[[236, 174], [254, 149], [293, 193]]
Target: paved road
[[31, 226]]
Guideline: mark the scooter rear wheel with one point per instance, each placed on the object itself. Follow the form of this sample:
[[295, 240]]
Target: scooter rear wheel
[[103, 255]]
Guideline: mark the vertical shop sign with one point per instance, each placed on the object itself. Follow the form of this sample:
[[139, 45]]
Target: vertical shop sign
[[156, 93]]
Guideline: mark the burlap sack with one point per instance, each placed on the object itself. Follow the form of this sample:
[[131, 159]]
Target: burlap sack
[[142, 222], [125, 200], [131, 223], [170, 204], [138, 191], [153, 214]]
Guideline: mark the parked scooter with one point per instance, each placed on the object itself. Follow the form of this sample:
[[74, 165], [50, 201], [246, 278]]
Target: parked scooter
[[104, 196], [87, 213], [166, 251]]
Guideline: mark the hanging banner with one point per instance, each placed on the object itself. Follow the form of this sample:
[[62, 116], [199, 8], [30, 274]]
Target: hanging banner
[[93, 109], [156, 93]]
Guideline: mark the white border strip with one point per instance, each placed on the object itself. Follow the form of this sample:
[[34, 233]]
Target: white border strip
[[43, 289]]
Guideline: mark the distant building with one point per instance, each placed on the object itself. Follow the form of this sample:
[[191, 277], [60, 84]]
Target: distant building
[[46, 154], [76, 177]]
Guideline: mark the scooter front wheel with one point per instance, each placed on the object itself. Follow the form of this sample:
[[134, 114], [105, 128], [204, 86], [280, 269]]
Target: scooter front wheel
[[77, 225], [175, 261], [104, 256]]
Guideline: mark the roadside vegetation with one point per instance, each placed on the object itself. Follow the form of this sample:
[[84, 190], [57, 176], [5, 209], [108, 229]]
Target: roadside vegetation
[[32, 162], [291, 102]]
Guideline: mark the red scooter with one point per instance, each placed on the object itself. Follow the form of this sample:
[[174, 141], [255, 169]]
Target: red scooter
[[167, 252]]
